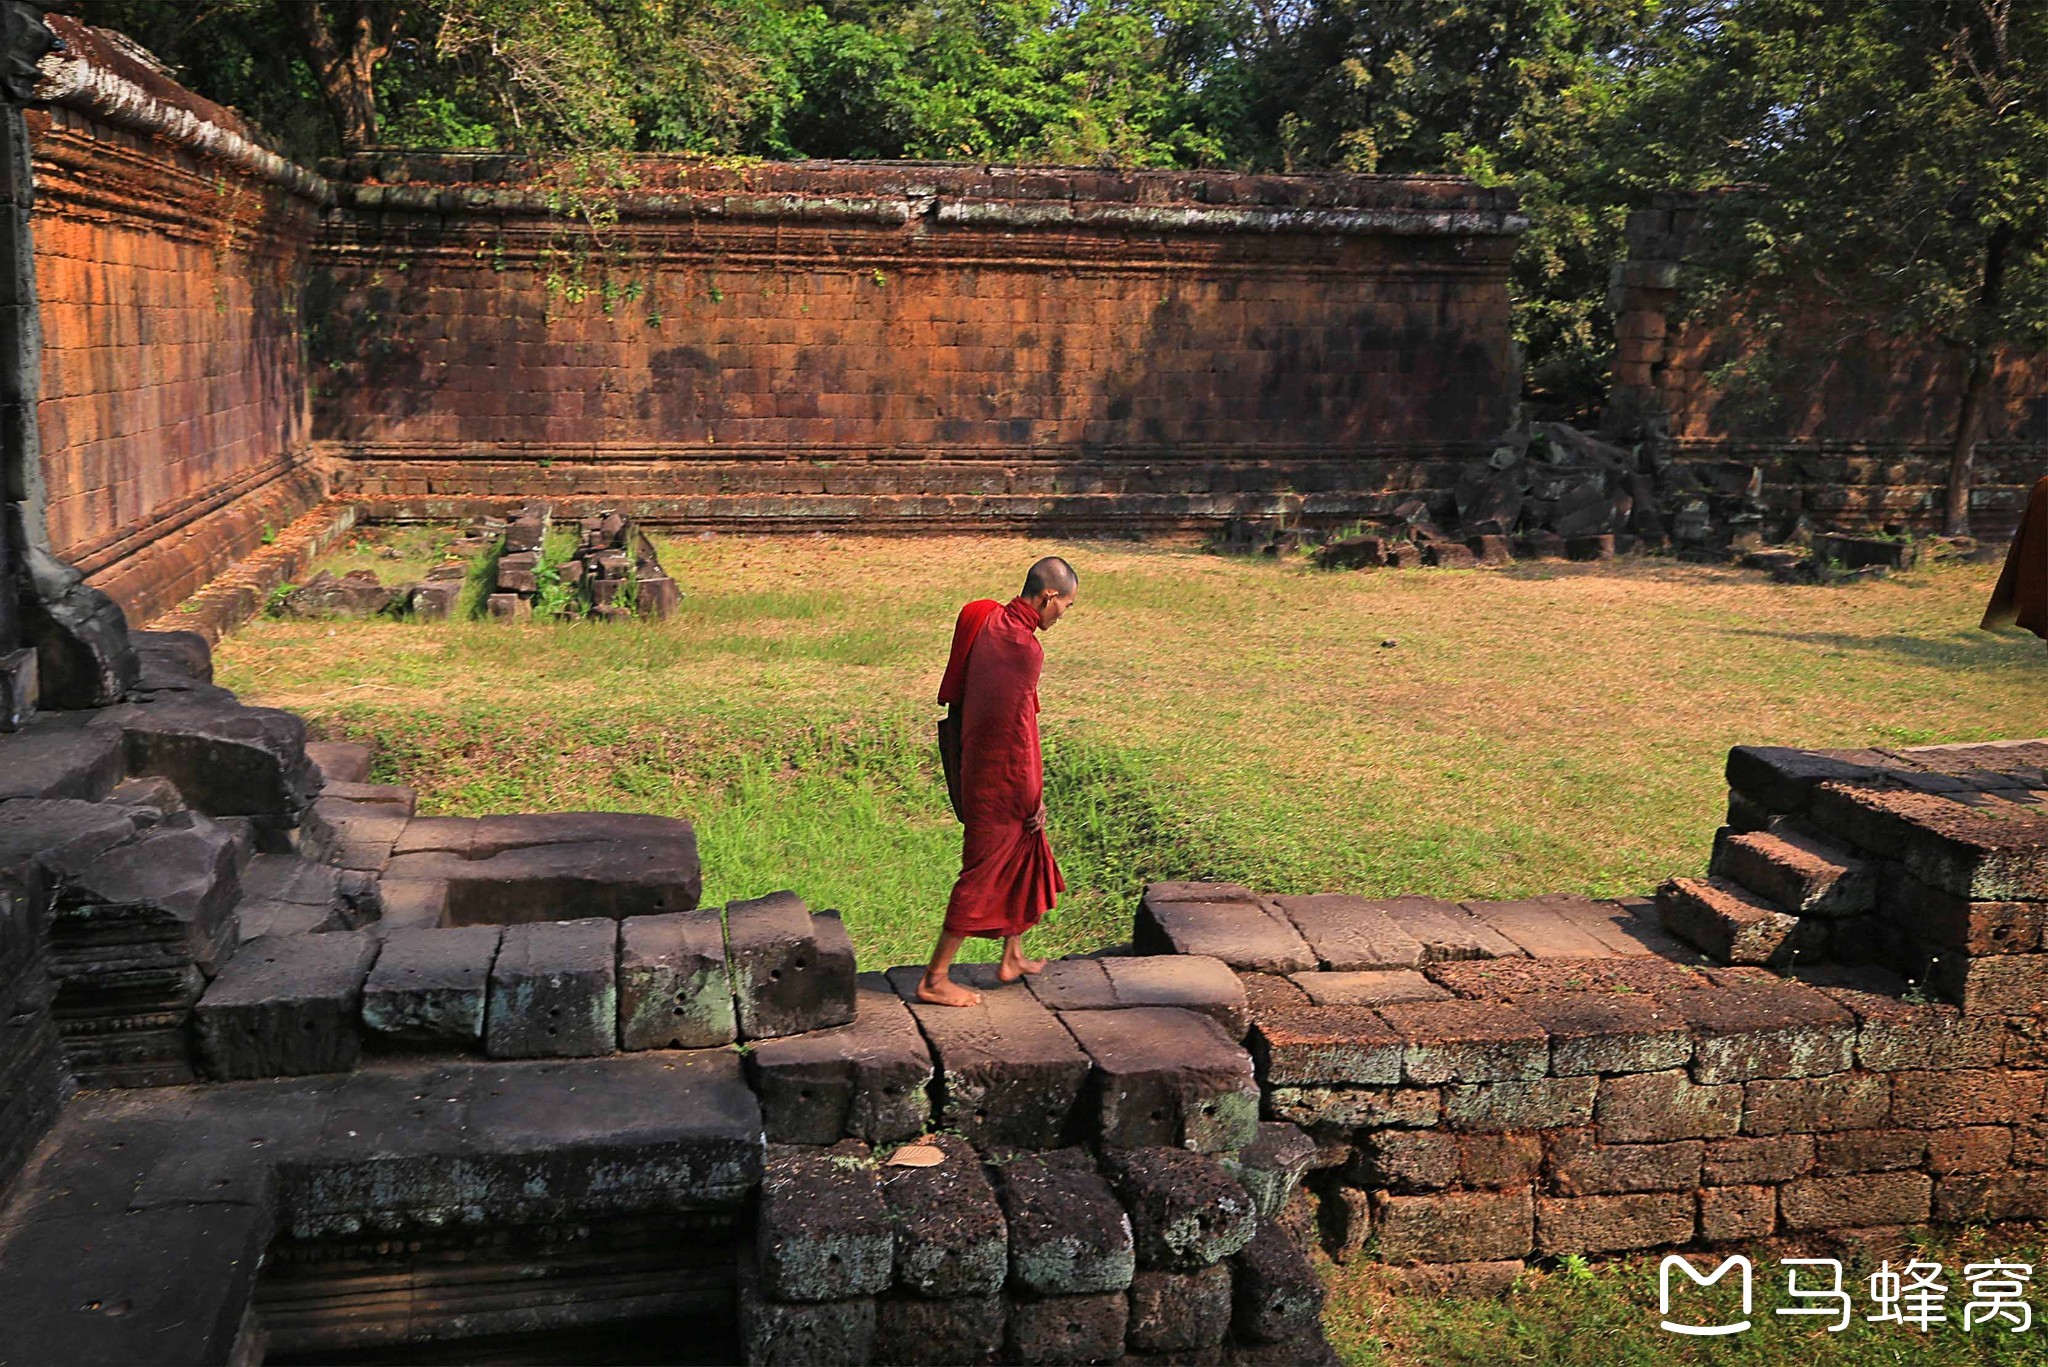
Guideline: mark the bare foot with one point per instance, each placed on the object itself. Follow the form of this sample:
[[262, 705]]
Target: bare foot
[[1012, 969], [945, 992]]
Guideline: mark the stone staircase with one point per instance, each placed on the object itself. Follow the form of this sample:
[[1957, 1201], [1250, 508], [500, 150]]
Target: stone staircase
[[1930, 862]]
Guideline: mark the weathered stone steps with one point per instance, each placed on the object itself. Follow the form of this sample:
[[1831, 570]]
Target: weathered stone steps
[[137, 1232], [1059, 1256], [1729, 923], [1798, 874]]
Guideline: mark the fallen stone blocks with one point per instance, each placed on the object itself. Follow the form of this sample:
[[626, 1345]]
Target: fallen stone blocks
[[613, 574], [285, 1005], [868, 1080], [791, 971]]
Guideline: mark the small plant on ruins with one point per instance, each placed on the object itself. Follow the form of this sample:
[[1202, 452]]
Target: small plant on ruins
[[270, 534], [552, 595], [582, 256], [273, 602], [480, 583], [628, 596]]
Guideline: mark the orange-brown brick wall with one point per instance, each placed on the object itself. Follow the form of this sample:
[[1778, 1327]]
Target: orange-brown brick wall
[[679, 351], [1841, 387], [173, 416]]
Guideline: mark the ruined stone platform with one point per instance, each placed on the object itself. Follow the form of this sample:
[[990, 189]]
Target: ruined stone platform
[[358, 1078]]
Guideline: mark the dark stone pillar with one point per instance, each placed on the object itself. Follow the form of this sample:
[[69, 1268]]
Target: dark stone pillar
[[23, 38]]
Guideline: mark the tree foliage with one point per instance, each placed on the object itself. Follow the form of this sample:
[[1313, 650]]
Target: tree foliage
[[1895, 154], [1899, 146]]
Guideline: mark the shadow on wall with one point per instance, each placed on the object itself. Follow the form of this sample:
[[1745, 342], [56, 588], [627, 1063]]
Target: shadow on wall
[[462, 356], [1858, 387], [368, 335]]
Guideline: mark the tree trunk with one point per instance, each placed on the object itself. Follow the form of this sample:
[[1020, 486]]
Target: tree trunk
[[346, 76], [1962, 456]]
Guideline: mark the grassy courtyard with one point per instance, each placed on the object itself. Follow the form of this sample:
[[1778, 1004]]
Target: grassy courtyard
[[1459, 733], [1606, 1314]]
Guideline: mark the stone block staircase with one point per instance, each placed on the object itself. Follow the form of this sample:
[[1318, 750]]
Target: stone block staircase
[[1930, 862]]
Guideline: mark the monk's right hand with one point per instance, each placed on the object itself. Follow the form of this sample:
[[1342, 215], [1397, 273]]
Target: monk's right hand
[[1036, 821]]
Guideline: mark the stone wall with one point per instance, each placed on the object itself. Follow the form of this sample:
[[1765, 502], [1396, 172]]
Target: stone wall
[[909, 344], [1850, 428], [170, 257]]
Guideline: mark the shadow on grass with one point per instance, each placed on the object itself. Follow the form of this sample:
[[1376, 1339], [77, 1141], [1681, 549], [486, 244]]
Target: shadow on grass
[[1940, 651]]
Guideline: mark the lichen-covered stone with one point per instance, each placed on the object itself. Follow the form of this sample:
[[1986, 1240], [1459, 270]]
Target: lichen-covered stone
[[673, 989], [1276, 1293], [950, 1235], [430, 986], [1068, 1236], [1270, 1168], [823, 1232], [1180, 1312], [554, 991], [1186, 1211]]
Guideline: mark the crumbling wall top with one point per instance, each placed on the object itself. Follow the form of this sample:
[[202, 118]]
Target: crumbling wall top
[[100, 74], [963, 193]]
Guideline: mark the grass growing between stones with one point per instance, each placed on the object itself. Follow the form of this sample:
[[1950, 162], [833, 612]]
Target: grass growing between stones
[[1607, 1314], [1542, 728]]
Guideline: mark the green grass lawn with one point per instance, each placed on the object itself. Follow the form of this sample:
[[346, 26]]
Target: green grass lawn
[[1459, 733], [1608, 1315]]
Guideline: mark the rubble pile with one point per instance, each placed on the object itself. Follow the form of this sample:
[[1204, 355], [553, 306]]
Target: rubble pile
[[614, 575], [1548, 491]]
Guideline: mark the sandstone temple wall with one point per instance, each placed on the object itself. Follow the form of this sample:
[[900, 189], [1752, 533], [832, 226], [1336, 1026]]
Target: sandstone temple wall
[[881, 343], [1849, 427], [170, 259]]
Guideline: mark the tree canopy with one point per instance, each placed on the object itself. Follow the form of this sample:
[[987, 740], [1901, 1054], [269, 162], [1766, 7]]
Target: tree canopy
[[1897, 150]]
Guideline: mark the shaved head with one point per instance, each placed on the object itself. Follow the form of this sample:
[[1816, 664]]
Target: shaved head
[[1051, 573]]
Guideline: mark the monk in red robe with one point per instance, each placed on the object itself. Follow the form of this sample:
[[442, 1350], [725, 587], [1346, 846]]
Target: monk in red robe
[[2021, 597], [1008, 879]]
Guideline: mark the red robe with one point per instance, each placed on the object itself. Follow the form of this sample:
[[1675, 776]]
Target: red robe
[[2021, 598], [1008, 879]]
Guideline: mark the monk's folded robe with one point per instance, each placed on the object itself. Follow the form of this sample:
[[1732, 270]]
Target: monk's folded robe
[[2021, 598], [1008, 879]]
